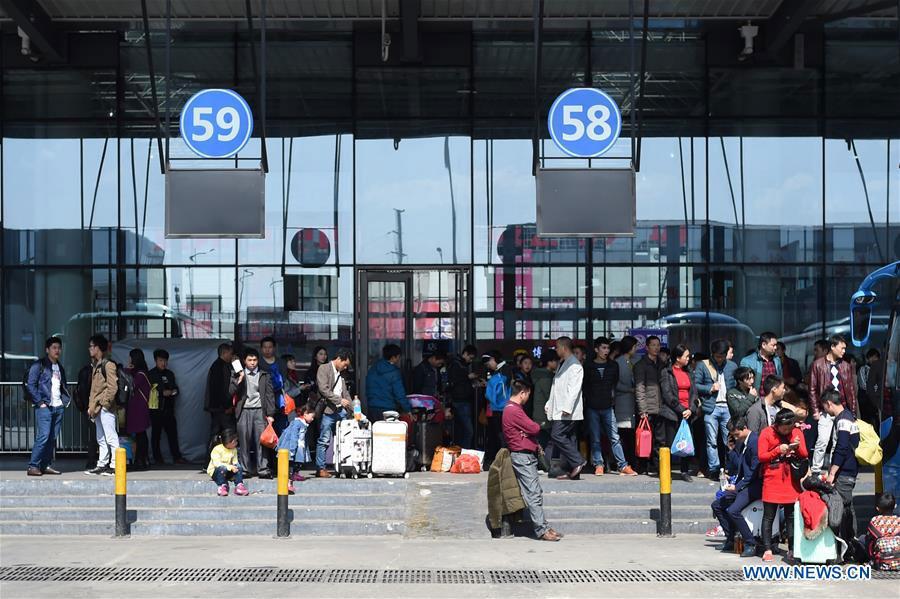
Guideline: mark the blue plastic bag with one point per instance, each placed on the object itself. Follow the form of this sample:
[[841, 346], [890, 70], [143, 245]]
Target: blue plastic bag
[[683, 445]]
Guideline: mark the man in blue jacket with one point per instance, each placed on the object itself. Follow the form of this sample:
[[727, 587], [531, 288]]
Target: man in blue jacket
[[844, 467], [763, 361], [713, 378], [46, 388], [384, 385], [747, 488]]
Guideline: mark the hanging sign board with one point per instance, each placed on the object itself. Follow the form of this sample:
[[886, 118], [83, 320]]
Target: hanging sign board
[[216, 123], [585, 202], [216, 203], [584, 122]]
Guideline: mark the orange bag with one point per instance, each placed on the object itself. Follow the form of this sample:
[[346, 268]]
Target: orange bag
[[466, 464], [444, 458], [268, 438], [643, 441], [289, 406]]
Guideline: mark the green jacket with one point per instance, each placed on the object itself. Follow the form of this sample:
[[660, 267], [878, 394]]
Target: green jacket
[[739, 402], [504, 496], [543, 380]]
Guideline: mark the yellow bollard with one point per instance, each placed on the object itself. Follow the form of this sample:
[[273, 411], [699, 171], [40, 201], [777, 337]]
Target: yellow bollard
[[283, 525], [664, 526], [121, 484]]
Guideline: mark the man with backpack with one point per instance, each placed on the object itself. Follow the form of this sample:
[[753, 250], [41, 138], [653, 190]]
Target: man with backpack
[[45, 387], [102, 405], [82, 398]]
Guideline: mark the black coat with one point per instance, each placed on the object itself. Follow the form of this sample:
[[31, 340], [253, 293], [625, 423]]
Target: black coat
[[669, 406], [599, 394], [461, 388], [218, 383]]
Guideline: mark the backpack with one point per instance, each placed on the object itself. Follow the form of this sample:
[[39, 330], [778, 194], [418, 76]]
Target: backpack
[[82, 397], [27, 396], [869, 449], [124, 383], [886, 554]]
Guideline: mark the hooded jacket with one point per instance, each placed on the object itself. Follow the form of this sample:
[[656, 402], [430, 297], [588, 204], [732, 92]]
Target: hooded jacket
[[384, 388]]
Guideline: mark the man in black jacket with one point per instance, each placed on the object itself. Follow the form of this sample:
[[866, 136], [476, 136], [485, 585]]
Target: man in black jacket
[[600, 379], [255, 409], [162, 417], [218, 394], [427, 375], [462, 393]]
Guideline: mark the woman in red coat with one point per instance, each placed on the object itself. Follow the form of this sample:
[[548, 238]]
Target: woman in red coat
[[778, 445]]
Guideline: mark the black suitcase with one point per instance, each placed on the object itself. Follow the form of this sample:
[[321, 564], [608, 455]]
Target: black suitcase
[[428, 436]]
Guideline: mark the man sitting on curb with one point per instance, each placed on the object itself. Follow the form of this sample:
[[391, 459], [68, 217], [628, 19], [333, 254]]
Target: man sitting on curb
[[521, 434]]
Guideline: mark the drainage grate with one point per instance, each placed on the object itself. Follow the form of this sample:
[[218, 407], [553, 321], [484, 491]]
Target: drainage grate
[[298, 575], [30, 574], [675, 575], [621, 576], [406, 577], [460, 577], [84, 574], [192, 574], [137, 575], [246, 575], [353, 576], [514, 577], [568, 576], [885, 575], [723, 575]]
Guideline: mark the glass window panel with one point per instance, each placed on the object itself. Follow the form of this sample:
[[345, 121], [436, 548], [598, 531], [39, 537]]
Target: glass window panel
[[407, 194], [862, 186]]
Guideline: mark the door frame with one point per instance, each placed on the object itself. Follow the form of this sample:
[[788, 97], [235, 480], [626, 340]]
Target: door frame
[[404, 273]]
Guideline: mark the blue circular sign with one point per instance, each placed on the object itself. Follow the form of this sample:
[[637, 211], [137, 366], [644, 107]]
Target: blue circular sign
[[216, 123], [584, 122]]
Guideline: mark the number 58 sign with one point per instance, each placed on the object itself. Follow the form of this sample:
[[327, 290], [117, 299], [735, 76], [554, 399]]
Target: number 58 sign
[[216, 123], [584, 122]]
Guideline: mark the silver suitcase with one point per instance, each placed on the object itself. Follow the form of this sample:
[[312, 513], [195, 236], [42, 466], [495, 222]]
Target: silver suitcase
[[389, 448]]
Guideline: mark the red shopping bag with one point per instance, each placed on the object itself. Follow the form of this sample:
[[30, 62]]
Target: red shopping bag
[[268, 438], [643, 440]]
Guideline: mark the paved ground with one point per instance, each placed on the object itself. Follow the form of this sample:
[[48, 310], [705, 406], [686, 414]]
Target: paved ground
[[605, 554]]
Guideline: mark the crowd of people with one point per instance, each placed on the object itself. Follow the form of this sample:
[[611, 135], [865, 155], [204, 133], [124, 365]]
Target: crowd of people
[[577, 408]]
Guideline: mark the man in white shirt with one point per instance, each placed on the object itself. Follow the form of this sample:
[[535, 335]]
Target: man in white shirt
[[46, 388], [564, 409]]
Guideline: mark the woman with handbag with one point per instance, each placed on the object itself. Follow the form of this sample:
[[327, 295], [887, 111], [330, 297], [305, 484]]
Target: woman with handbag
[[779, 446], [137, 415], [679, 399]]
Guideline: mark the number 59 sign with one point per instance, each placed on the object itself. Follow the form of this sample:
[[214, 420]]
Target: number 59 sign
[[216, 123], [584, 122]]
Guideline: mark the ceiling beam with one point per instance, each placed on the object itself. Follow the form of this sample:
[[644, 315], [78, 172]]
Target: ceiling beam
[[409, 24], [859, 11], [32, 19], [785, 22]]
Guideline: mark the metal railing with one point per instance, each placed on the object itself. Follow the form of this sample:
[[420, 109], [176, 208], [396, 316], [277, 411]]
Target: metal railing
[[17, 423]]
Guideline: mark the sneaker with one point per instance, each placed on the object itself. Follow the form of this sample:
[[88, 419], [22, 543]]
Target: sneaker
[[687, 477], [715, 532], [768, 557], [96, 470], [598, 471], [241, 490], [291, 488], [108, 472], [296, 476], [627, 471], [749, 550], [726, 547], [223, 491]]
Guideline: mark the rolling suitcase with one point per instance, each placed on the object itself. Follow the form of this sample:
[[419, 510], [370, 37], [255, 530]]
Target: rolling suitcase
[[352, 448], [812, 551], [389, 446], [428, 436]]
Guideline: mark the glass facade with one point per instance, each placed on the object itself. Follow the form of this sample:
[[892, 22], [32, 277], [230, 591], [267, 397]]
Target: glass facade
[[764, 194]]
